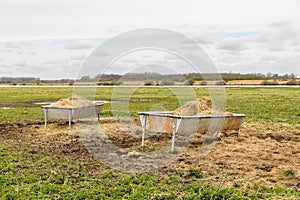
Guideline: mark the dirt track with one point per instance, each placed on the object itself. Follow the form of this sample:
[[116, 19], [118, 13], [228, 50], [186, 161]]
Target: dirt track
[[260, 153]]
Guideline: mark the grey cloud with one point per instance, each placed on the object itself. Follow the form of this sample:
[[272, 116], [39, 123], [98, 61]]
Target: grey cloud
[[170, 57], [232, 44], [297, 48], [10, 45], [279, 32], [78, 57], [281, 23], [276, 46], [57, 70], [113, 31], [55, 62], [146, 56], [232, 58], [15, 45], [129, 60], [203, 39], [269, 58], [32, 53], [80, 45], [4, 66], [189, 45], [21, 64], [98, 53]]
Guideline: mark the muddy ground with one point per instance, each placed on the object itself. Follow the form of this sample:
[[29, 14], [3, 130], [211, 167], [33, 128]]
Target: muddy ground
[[261, 152], [34, 103]]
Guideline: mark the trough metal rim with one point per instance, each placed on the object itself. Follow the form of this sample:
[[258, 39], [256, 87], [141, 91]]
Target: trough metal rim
[[169, 114], [72, 108]]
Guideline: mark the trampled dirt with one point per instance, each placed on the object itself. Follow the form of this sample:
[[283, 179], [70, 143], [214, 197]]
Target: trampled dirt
[[261, 152]]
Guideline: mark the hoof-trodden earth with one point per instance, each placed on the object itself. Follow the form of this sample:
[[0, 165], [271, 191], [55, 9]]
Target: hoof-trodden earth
[[264, 153]]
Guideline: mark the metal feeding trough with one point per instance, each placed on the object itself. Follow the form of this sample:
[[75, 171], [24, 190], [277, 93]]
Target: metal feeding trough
[[71, 113], [172, 124]]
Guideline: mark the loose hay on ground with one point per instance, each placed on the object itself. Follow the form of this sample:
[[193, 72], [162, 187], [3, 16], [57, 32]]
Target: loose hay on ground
[[261, 152]]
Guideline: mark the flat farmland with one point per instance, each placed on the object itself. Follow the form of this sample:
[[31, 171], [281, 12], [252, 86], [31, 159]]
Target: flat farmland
[[261, 162], [259, 104]]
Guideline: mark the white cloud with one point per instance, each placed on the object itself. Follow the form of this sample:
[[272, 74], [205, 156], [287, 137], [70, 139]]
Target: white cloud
[[203, 38], [279, 32], [10, 45], [20, 64], [232, 44], [281, 23], [170, 57], [54, 19], [239, 35], [276, 46], [78, 45], [99, 53], [55, 62], [269, 58], [32, 53], [130, 60], [79, 57]]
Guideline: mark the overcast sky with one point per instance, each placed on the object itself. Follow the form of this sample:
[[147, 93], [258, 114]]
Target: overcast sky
[[52, 39]]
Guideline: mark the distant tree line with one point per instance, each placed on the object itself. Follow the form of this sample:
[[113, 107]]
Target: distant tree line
[[150, 78], [18, 79], [237, 76]]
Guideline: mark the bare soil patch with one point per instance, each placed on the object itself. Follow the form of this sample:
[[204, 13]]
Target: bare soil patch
[[63, 102], [18, 103]]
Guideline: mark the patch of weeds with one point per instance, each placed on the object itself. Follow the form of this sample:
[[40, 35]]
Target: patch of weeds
[[150, 147], [174, 180], [195, 173], [237, 174], [278, 191], [175, 151], [290, 173], [237, 184]]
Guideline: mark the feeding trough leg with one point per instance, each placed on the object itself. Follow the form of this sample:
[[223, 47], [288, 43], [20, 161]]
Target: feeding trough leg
[[144, 122], [173, 134], [70, 119], [45, 116]]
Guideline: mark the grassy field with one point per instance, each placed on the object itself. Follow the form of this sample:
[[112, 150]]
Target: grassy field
[[259, 104], [25, 174]]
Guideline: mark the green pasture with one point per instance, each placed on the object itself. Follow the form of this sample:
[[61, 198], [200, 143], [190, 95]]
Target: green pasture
[[259, 104], [45, 175]]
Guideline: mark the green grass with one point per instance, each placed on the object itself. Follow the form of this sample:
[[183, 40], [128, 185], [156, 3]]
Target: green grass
[[259, 104], [25, 175], [21, 115], [290, 173], [34, 93], [266, 104]]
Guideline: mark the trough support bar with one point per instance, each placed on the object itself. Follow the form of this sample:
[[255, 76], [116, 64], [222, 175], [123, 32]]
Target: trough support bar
[[70, 118], [173, 134], [144, 123], [46, 117]]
